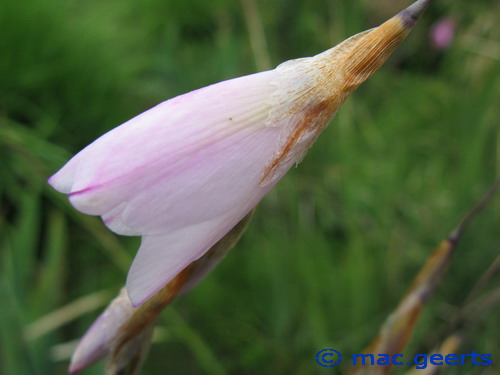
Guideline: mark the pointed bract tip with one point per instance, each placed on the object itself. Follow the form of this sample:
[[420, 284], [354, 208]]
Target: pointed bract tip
[[75, 368], [411, 14]]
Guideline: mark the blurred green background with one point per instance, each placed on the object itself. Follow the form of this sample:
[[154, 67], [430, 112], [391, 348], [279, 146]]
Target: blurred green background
[[330, 250]]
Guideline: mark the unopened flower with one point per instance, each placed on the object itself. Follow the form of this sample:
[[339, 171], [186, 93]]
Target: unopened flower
[[185, 175], [122, 333], [185, 172], [109, 331]]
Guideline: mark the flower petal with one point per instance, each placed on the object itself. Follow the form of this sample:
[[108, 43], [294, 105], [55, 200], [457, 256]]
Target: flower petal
[[178, 248], [131, 157]]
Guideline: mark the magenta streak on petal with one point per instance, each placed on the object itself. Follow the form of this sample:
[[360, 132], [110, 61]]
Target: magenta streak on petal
[[110, 219], [106, 174], [83, 191], [157, 164]]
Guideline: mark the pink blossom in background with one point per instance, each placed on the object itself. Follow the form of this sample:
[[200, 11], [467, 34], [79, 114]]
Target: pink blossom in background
[[442, 33]]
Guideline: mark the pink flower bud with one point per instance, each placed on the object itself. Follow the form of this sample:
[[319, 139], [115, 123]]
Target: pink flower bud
[[185, 172]]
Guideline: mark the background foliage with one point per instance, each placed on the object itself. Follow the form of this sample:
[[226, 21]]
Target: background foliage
[[331, 249]]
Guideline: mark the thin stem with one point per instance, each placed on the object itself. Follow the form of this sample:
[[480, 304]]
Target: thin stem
[[455, 235], [256, 33]]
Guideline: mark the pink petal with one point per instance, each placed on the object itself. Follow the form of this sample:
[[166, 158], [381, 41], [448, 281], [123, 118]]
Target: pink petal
[[131, 156]]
